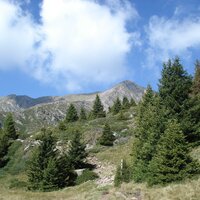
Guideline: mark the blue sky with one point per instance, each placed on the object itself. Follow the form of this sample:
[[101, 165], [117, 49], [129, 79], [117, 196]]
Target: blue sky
[[58, 47]]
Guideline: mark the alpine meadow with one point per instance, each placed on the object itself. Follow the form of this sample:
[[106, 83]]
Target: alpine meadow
[[99, 99]]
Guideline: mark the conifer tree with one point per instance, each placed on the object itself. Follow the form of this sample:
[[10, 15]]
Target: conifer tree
[[77, 153], [132, 102], [172, 161], [190, 121], [72, 115], [82, 114], [9, 127], [117, 106], [47, 169], [98, 109], [150, 120], [125, 103], [196, 80], [40, 159], [107, 137], [174, 87], [4, 145]]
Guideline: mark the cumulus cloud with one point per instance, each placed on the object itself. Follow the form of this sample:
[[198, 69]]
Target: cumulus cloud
[[168, 37], [18, 34], [77, 43]]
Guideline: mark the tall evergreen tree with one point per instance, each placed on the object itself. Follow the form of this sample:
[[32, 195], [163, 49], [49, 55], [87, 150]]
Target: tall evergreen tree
[[150, 120], [172, 161], [132, 102], [83, 115], [72, 114], [107, 137], [9, 127], [40, 159], [174, 87], [77, 153], [47, 169], [190, 121], [117, 106], [196, 80], [4, 145], [98, 109], [125, 103]]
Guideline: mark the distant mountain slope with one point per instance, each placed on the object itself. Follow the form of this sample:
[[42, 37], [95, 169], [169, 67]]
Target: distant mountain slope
[[31, 113]]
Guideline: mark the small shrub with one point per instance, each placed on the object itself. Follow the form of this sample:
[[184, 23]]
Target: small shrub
[[87, 175], [15, 183], [123, 174]]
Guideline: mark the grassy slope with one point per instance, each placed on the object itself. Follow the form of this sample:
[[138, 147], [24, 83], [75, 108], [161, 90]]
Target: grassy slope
[[186, 190]]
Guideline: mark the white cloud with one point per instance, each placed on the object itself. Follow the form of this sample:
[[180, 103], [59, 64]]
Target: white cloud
[[79, 42], [17, 36], [168, 37]]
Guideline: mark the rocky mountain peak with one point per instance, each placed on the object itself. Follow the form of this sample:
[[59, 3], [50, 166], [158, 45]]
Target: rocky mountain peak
[[35, 112]]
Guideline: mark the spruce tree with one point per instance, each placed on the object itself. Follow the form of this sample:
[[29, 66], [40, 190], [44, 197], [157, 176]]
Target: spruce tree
[[48, 169], [98, 109], [117, 106], [174, 87], [9, 127], [40, 159], [125, 103], [172, 161], [107, 137], [77, 153], [72, 115], [196, 80], [150, 124], [4, 145], [132, 103], [82, 114], [190, 121]]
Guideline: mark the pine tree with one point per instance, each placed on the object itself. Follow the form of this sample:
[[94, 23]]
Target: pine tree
[[107, 137], [40, 159], [196, 80], [132, 103], [72, 115], [82, 114], [9, 127], [4, 145], [172, 161], [150, 121], [77, 153], [174, 87], [190, 121], [98, 109], [121, 116], [117, 106], [125, 103], [48, 169]]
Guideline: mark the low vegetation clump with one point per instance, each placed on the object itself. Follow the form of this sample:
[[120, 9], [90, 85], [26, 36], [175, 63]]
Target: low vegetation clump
[[87, 175]]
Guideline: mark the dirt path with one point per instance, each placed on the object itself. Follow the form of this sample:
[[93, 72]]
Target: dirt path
[[105, 171]]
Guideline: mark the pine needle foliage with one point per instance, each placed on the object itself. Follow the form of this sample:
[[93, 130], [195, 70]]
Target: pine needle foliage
[[107, 137], [172, 161], [72, 114]]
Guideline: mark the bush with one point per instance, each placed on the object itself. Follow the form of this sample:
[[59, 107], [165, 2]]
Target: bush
[[123, 174], [87, 175], [15, 183]]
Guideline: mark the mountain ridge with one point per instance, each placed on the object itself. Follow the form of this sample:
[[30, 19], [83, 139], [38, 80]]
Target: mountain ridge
[[48, 110]]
